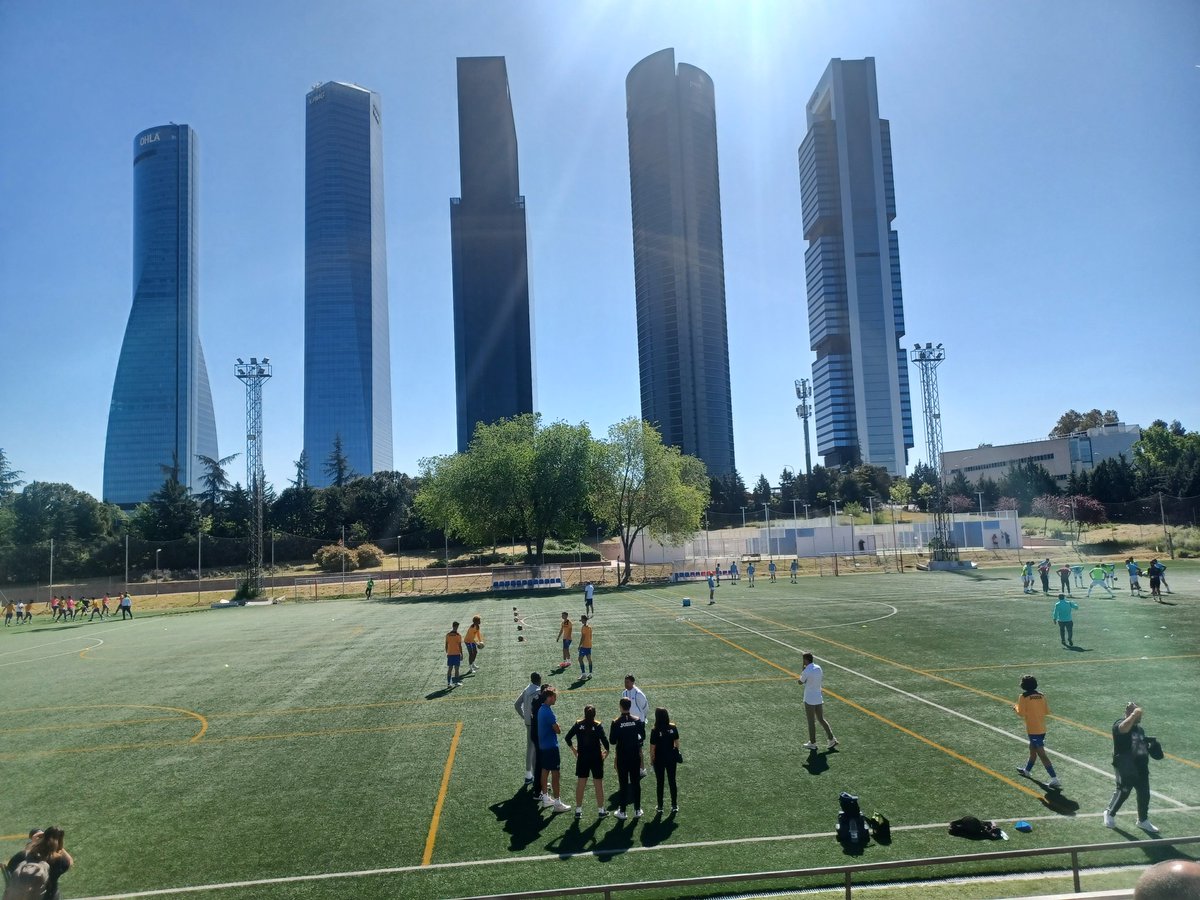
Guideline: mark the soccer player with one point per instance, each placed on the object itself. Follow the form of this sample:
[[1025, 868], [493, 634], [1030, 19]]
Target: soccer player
[[750, 573], [712, 589], [626, 734], [1062, 615], [795, 569], [1033, 708], [589, 593], [524, 708], [585, 648], [1044, 574], [126, 606], [1135, 586], [1064, 578], [1077, 571], [734, 576], [20, 611], [474, 642], [9, 609], [370, 587], [1162, 573], [548, 731], [771, 569], [564, 635], [589, 758], [1027, 577], [454, 648], [813, 680], [1099, 576]]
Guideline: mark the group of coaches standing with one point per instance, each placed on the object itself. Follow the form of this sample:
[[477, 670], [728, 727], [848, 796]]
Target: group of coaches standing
[[591, 745]]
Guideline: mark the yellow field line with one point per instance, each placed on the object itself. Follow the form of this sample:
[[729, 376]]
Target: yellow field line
[[928, 673], [60, 726], [874, 715], [427, 856]]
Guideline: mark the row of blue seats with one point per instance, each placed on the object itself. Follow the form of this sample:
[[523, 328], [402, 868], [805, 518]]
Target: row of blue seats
[[528, 582], [689, 576]]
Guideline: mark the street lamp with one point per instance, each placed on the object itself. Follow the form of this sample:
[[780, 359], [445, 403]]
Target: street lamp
[[767, 512], [805, 505], [979, 494], [744, 516], [156, 572]]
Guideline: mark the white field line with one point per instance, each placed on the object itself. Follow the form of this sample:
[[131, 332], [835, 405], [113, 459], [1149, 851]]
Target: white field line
[[52, 643], [543, 857], [29, 659], [938, 706]]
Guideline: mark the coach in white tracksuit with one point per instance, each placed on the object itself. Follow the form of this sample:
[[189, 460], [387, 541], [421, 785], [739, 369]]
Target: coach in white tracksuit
[[524, 708], [639, 708]]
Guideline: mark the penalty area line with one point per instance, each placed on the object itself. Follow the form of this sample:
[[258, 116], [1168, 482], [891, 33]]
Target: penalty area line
[[549, 857]]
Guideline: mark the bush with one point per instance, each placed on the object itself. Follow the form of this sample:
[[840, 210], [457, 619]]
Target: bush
[[368, 556], [332, 557]]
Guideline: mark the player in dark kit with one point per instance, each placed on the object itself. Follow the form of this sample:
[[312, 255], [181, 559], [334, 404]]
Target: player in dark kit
[[626, 734], [589, 758]]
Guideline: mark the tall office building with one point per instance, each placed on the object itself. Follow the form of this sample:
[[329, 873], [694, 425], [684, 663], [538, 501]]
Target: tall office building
[[678, 260], [161, 416], [493, 331], [347, 355], [855, 310]]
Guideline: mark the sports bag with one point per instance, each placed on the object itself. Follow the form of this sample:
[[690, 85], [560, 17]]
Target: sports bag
[[973, 828], [852, 831], [29, 880], [881, 828]]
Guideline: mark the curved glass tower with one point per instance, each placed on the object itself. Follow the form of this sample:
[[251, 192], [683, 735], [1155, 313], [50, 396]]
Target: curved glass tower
[[161, 414], [678, 259], [347, 355]]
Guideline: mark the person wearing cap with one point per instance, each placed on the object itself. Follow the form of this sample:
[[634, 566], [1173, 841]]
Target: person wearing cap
[[1131, 761]]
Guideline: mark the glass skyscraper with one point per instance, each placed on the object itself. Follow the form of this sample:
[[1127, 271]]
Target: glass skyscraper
[[855, 310], [161, 416], [493, 331], [678, 259], [347, 355]]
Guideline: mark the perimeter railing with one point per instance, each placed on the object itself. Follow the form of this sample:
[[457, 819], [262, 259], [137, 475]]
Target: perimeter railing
[[847, 871]]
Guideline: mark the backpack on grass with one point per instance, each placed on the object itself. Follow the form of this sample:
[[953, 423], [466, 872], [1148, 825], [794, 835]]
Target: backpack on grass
[[852, 831], [976, 830], [881, 828]]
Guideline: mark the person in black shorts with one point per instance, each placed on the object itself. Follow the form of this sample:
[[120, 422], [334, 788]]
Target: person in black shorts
[[627, 734], [664, 756], [589, 758]]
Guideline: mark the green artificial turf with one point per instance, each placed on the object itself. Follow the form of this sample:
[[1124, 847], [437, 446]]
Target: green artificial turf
[[266, 743]]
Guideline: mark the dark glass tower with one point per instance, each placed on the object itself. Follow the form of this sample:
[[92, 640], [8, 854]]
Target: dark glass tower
[[347, 355], [678, 261], [161, 414], [855, 309], [493, 333]]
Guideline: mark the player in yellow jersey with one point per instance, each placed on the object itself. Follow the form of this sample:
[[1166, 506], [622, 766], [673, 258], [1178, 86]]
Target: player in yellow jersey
[[564, 635], [454, 648], [1033, 708], [474, 642], [585, 648]]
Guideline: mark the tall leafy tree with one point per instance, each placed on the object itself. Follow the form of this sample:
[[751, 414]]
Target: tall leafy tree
[[301, 465], [1072, 421], [215, 480], [10, 478], [642, 485], [337, 464]]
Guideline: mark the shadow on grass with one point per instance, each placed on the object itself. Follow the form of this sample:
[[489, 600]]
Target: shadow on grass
[[438, 694], [658, 830], [1059, 803], [521, 816], [1075, 648], [576, 839], [977, 575], [817, 762]]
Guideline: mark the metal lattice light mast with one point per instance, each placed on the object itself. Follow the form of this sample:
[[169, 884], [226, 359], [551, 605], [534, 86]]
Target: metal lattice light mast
[[253, 374], [928, 358], [803, 411]]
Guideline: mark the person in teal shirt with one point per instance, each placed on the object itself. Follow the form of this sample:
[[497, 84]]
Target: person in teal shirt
[[1062, 615]]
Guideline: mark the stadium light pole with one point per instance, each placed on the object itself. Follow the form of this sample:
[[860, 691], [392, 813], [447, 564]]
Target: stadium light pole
[[707, 549], [343, 560], [979, 494], [767, 513], [743, 517], [51, 567], [805, 505], [157, 572], [794, 502], [832, 538]]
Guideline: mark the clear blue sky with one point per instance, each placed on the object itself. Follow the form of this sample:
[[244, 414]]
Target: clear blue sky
[[1046, 168]]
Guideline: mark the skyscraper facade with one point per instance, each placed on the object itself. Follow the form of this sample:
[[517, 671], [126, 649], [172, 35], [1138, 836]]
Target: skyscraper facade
[[347, 354], [161, 415], [493, 330], [678, 259], [855, 309]]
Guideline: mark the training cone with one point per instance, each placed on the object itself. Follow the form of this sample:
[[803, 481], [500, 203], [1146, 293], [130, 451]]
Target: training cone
[[520, 638]]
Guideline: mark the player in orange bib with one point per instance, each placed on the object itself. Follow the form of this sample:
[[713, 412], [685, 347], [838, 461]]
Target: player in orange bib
[[564, 635], [454, 648], [474, 642]]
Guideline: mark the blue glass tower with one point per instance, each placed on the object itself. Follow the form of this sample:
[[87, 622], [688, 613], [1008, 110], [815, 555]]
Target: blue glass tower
[[493, 333], [855, 308], [347, 355], [161, 413], [678, 258]]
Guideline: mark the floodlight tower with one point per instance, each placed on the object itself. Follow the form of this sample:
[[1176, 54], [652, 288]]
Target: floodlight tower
[[803, 411], [253, 374], [928, 358]]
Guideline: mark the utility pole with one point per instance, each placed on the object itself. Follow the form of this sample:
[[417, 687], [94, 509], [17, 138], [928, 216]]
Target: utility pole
[[743, 517], [928, 358], [803, 411]]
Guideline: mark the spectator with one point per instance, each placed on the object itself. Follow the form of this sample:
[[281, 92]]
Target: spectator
[[34, 872], [524, 708], [1131, 760], [664, 756], [814, 702], [548, 732], [626, 734], [1172, 879], [589, 758]]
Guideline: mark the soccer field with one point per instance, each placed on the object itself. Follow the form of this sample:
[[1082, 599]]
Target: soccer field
[[252, 749]]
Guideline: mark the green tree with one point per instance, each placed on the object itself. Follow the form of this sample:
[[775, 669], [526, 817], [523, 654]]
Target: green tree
[[10, 478], [1026, 481], [382, 502], [215, 480], [301, 466], [960, 485], [337, 465], [642, 485], [900, 492], [170, 513], [1073, 421], [761, 495], [1112, 481]]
